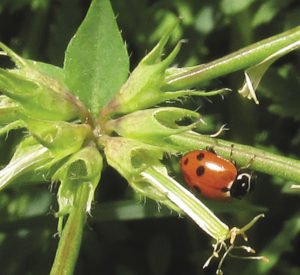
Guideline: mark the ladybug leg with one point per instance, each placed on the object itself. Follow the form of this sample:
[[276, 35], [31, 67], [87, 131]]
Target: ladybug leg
[[210, 149], [234, 162], [230, 156], [249, 162], [225, 189]]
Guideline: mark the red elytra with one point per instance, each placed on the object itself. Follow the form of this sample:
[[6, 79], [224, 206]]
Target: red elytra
[[215, 177]]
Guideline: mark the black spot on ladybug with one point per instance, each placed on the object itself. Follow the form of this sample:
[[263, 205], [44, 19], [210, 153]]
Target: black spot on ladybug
[[200, 171], [197, 188], [225, 189], [186, 161], [200, 156]]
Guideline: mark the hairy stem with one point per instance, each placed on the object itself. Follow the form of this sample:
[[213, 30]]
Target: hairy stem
[[69, 244], [236, 61], [259, 159]]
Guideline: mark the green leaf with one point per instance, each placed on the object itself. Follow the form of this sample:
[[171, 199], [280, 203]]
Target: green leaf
[[235, 6], [205, 20], [268, 11], [96, 61]]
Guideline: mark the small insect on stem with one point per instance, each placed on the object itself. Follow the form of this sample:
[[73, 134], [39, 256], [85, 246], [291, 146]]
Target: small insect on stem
[[215, 177]]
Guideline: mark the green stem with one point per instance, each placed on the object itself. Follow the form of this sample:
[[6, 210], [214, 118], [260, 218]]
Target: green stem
[[258, 159], [186, 201], [69, 244], [238, 60]]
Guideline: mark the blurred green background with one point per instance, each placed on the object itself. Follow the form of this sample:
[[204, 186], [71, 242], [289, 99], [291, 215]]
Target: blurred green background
[[129, 236]]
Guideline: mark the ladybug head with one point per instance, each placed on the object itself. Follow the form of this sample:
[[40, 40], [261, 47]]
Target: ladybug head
[[243, 184]]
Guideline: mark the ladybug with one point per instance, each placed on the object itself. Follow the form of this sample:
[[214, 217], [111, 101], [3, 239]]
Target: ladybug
[[215, 177]]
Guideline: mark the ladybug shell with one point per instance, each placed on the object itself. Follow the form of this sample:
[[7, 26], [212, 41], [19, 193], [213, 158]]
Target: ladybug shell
[[208, 173]]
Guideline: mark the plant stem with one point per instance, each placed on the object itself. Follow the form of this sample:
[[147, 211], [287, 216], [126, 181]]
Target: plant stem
[[69, 244], [259, 159], [189, 204], [236, 61]]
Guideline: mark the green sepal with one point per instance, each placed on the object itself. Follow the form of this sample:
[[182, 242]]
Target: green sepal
[[146, 86], [38, 94], [130, 158], [11, 126], [44, 170], [60, 137], [143, 87], [83, 167], [29, 157], [154, 124], [8, 110], [9, 115], [146, 188]]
